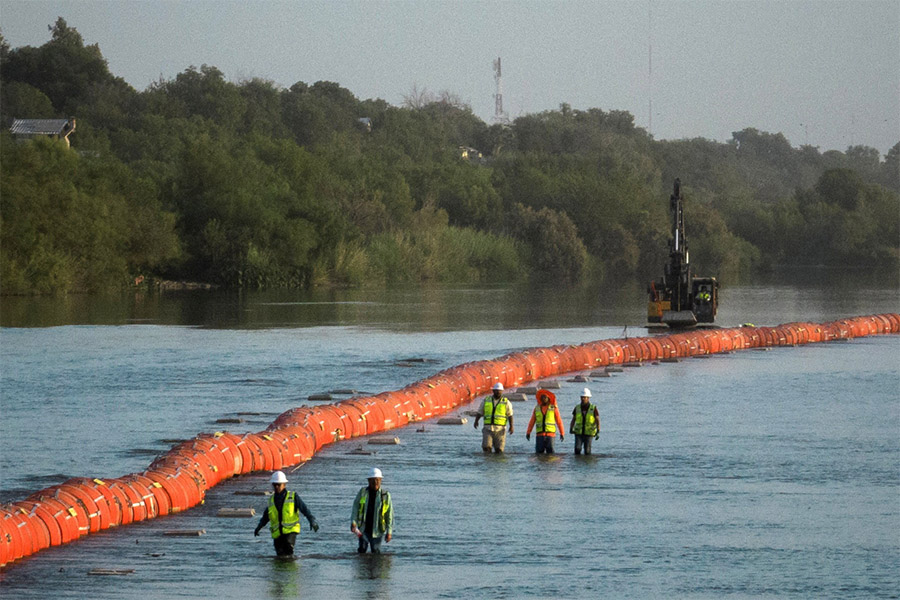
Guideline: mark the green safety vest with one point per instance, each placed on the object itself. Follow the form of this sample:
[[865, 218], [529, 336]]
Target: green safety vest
[[290, 517], [542, 425], [495, 411], [590, 426], [385, 507]]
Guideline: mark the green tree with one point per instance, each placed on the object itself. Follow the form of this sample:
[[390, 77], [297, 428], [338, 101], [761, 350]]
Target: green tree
[[24, 101], [841, 187], [889, 175], [75, 224], [64, 69], [555, 253]]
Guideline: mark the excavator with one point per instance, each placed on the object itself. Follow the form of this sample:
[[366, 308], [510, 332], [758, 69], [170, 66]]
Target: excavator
[[680, 300]]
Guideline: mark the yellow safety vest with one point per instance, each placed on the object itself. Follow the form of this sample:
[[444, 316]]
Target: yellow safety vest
[[542, 425], [385, 507], [495, 411], [590, 426], [290, 517]]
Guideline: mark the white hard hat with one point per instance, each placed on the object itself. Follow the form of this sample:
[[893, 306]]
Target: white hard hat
[[497, 386], [278, 477], [375, 473], [586, 393]]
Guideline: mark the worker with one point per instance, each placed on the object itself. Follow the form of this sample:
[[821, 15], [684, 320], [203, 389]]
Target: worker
[[372, 515], [585, 423], [283, 516], [497, 412], [546, 417]]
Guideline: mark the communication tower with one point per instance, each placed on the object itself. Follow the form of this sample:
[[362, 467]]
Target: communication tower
[[499, 115], [650, 67]]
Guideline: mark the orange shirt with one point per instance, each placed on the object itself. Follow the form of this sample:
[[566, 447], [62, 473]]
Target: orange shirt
[[559, 423]]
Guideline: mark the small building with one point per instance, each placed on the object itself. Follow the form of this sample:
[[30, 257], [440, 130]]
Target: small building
[[365, 123], [469, 153], [28, 129]]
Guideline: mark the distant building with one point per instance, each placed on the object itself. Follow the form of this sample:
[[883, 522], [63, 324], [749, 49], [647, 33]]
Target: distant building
[[28, 129], [365, 123], [469, 153]]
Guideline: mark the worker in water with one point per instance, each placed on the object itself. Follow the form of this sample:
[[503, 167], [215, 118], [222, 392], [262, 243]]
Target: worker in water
[[283, 516], [546, 418], [585, 423], [497, 412], [372, 515]]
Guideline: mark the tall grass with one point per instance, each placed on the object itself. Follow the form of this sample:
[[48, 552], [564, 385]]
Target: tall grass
[[442, 254]]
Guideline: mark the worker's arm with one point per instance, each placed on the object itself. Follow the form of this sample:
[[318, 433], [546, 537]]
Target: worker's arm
[[479, 415], [301, 506], [262, 522], [597, 416], [353, 510], [530, 427], [562, 434], [572, 424], [510, 419], [388, 518]]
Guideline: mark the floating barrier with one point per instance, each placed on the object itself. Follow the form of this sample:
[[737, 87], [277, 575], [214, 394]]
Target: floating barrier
[[180, 478]]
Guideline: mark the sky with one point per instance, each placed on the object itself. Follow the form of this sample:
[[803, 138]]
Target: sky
[[824, 73]]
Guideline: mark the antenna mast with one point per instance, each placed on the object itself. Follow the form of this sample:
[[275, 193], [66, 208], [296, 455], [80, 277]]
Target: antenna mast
[[499, 115], [650, 67]]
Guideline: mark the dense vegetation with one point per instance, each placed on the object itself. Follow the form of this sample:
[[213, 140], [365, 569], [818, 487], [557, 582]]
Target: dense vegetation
[[249, 184]]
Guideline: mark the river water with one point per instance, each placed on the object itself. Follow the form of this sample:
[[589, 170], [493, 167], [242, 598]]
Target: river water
[[755, 474]]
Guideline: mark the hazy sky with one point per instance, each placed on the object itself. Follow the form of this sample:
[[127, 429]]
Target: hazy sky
[[826, 73]]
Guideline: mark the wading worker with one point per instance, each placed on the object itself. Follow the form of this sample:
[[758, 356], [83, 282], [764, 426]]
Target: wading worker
[[585, 423], [372, 515], [546, 420], [283, 516], [497, 412]]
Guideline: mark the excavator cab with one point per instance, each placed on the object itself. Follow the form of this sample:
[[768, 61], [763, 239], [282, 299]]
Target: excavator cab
[[706, 298]]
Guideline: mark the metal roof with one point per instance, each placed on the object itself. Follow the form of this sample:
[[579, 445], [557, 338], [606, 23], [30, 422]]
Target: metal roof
[[38, 126]]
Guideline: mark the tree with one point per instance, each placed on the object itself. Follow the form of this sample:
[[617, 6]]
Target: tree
[[22, 100], [890, 169], [64, 68], [76, 224], [204, 92], [840, 187], [555, 251]]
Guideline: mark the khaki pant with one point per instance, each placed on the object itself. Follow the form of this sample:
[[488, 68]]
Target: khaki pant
[[493, 436]]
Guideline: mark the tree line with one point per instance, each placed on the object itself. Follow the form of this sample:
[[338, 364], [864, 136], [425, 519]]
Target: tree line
[[249, 184]]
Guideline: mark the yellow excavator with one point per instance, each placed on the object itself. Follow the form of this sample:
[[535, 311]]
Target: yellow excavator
[[680, 300]]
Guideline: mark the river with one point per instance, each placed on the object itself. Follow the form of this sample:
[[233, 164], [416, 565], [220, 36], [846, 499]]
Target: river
[[753, 474]]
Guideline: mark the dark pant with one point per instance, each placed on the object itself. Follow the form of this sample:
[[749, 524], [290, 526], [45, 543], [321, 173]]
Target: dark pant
[[284, 544], [364, 544], [584, 440], [543, 443]]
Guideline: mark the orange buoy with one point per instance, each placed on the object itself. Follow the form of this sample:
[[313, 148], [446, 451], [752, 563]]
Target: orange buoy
[[98, 514], [112, 501], [76, 508], [12, 548], [148, 499], [32, 526], [68, 524], [41, 512]]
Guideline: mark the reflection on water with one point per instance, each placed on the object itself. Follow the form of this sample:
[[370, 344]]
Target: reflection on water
[[284, 578], [374, 570], [816, 293]]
